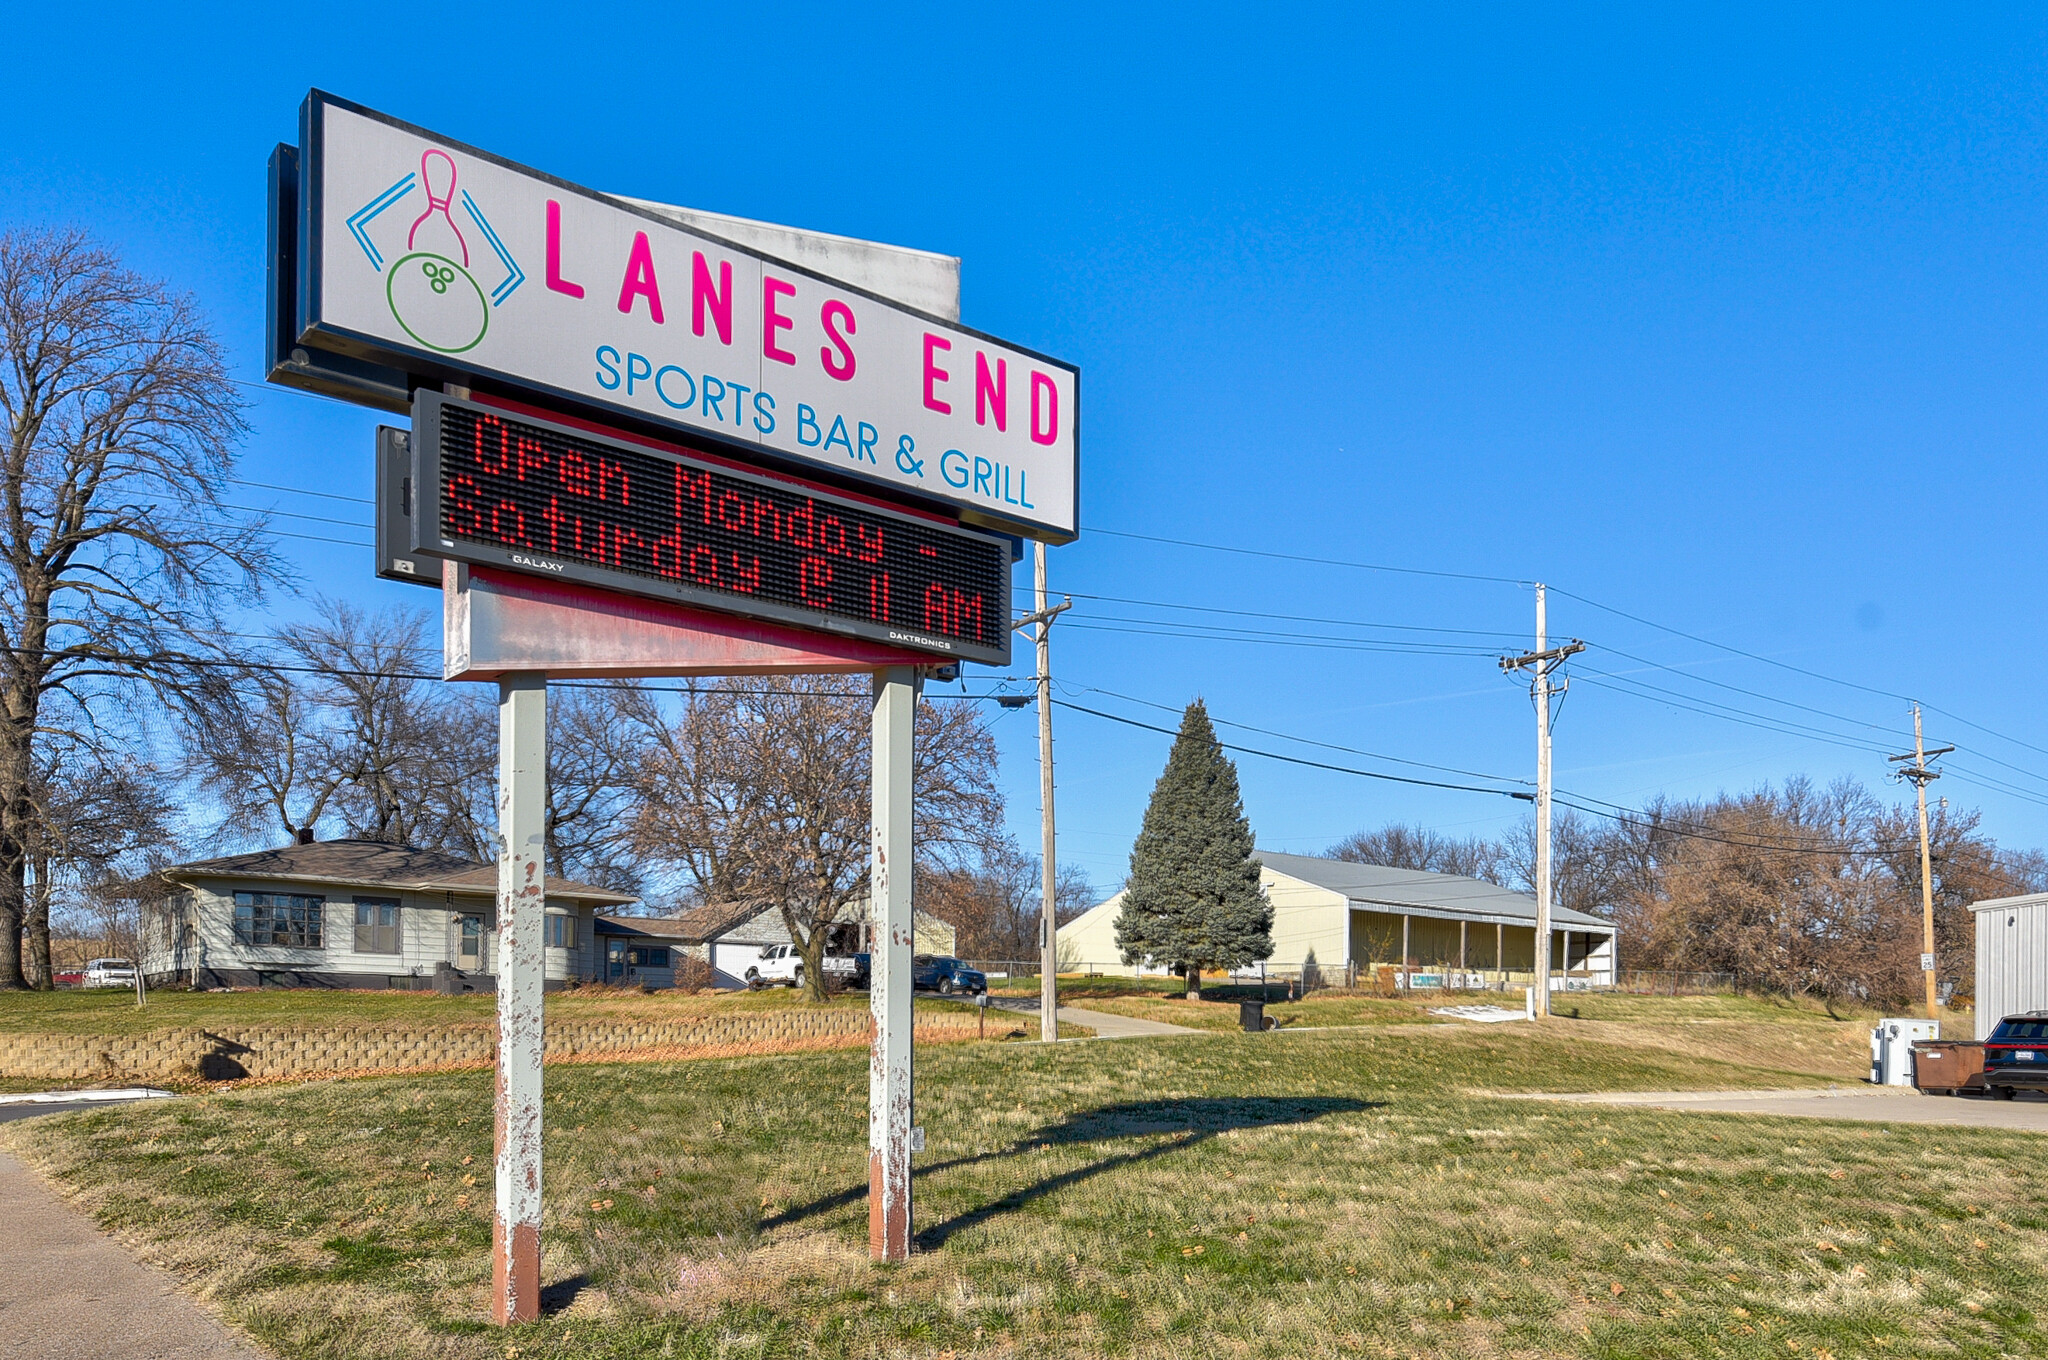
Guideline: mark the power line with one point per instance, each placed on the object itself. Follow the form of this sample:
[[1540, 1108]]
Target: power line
[[1297, 760], [1309, 741], [1314, 561]]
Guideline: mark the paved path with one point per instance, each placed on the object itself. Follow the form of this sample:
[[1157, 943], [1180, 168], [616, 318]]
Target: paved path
[[1887, 1105], [71, 1293], [1105, 1025]]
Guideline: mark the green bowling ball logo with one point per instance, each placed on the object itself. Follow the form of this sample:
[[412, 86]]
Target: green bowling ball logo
[[437, 302]]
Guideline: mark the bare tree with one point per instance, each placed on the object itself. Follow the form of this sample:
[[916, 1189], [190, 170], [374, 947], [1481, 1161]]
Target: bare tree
[[343, 721], [994, 899], [757, 789], [96, 819], [596, 749], [1398, 846], [116, 546]]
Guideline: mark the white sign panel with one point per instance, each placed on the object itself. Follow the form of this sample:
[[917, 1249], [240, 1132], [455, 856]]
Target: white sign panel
[[420, 249]]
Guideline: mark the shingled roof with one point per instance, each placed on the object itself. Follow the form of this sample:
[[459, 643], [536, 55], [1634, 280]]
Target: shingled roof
[[377, 864]]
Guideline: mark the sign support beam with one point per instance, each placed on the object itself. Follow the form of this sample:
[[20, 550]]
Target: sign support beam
[[889, 996], [521, 970]]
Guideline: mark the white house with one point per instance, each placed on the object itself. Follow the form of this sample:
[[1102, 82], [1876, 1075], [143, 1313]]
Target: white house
[[352, 913], [1337, 918], [730, 936], [2012, 957]]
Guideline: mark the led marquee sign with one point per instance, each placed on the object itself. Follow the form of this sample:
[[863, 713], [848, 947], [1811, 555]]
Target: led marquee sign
[[419, 255], [505, 490]]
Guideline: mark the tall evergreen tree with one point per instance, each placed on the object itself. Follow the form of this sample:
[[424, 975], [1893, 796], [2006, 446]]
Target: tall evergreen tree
[[1193, 900]]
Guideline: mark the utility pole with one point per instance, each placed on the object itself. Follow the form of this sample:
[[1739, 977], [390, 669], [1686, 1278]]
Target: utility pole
[[1919, 774], [1048, 930], [1540, 663]]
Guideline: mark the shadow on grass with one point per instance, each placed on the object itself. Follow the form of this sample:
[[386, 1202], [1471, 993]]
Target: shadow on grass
[[1183, 1123]]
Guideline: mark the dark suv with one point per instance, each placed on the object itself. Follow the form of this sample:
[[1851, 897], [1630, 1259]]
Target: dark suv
[[936, 972], [2016, 1055]]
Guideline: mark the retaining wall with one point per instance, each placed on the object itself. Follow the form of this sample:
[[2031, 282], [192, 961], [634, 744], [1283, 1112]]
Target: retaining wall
[[237, 1052]]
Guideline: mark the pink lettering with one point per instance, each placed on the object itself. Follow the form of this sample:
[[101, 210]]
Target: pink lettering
[[991, 391], [717, 300], [1047, 432], [639, 281], [772, 320], [834, 315], [556, 283], [934, 374]]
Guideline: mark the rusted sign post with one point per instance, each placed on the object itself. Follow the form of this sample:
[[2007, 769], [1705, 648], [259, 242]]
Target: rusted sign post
[[889, 1087], [521, 965], [704, 543]]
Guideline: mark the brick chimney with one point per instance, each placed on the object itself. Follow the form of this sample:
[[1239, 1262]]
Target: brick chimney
[[305, 835]]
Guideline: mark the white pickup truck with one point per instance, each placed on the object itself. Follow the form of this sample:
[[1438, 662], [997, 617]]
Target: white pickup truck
[[784, 963], [778, 964]]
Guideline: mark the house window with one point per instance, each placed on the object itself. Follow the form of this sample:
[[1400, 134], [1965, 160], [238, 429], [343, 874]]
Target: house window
[[278, 919], [561, 932], [376, 926], [648, 956]]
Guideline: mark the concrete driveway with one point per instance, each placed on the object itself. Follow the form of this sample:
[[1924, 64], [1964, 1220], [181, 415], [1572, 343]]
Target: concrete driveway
[[2027, 1112]]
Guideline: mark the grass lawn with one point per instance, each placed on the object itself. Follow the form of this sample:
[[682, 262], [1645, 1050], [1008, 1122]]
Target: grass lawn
[[1337, 1193]]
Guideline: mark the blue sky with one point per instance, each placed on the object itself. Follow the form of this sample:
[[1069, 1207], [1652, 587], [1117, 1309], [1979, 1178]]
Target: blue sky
[[1734, 323]]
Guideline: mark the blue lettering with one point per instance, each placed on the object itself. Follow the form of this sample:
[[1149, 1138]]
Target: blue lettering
[[739, 414], [868, 435], [1022, 496], [764, 413], [838, 436], [807, 431], [639, 368], [687, 402], [607, 368], [712, 401], [947, 468], [983, 469]]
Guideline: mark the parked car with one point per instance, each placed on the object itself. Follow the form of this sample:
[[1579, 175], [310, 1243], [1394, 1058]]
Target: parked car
[[778, 964], [938, 973], [109, 973], [849, 970], [2016, 1055]]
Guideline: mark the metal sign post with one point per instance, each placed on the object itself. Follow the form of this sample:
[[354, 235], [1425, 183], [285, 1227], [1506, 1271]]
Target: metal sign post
[[889, 999], [521, 968]]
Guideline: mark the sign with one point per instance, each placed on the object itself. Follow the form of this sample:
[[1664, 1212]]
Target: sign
[[533, 496], [1927, 963], [425, 254]]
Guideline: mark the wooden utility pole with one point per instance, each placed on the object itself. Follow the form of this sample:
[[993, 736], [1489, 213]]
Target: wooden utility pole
[[1540, 663], [1042, 615], [1919, 774]]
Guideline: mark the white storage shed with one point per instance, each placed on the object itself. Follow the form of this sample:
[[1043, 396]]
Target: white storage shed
[[2012, 957]]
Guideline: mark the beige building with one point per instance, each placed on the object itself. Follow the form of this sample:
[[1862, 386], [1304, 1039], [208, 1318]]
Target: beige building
[[1348, 920]]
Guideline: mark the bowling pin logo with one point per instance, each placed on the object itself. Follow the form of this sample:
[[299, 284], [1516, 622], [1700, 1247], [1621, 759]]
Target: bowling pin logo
[[436, 216], [431, 290]]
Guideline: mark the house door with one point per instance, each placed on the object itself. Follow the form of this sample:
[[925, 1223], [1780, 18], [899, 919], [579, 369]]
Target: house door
[[469, 949], [615, 960]]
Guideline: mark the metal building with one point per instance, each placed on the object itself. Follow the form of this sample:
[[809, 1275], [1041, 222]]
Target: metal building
[[2012, 957]]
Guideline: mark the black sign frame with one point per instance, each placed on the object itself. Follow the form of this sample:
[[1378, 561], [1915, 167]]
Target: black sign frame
[[428, 541]]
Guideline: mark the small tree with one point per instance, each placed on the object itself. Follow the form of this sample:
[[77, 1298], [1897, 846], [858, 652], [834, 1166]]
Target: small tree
[[1193, 900]]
